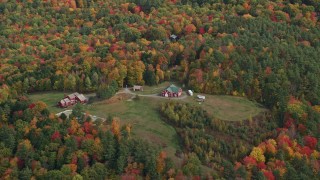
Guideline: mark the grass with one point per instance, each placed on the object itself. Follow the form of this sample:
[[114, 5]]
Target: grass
[[228, 108], [146, 122], [144, 117], [50, 98], [155, 89]]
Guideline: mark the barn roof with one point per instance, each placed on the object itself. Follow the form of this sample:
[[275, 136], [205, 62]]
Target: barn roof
[[72, 96], [66, 100], [81, 97], [173, 36], [173, 88]]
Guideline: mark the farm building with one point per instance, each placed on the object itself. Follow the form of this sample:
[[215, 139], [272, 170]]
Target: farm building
[[81, 98], [172, 91], [190, 92], [137, 88], [72, 99]]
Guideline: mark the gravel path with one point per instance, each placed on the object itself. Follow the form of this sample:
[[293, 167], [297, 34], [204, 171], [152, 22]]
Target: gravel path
[[68, 112], [125, 91]]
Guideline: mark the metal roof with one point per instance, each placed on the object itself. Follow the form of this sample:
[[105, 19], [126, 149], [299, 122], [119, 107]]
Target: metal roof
[[173, 36], [173, 88], [81, 97]]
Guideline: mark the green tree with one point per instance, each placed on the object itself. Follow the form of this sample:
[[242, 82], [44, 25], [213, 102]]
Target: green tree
[[95, 79], [193, 166], [26, 85], [7, 136], [87, 83], [228, 171], [78, 111], [89, 173], [105, 92], [77, 177], [114, 85], [25, 174], [291, 173], [109, 148], [70, 82], [54, 175], [149, 77], [101, 170]]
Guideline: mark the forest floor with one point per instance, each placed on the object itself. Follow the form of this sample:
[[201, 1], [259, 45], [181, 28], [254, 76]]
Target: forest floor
[[142, 112]]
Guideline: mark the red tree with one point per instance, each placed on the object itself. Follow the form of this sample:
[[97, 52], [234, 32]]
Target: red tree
[[310, 141], [55, 135]]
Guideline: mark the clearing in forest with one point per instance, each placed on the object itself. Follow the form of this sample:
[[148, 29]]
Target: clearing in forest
[[143, 113], [228, 108]]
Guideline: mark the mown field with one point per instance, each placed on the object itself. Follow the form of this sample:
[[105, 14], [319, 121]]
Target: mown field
[[228, 108], [50, 98], [143, 115], [155, 89]]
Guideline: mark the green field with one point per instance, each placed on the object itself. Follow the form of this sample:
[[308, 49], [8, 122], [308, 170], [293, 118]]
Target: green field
[[228, 108], [50, 98], [143, 116], [155, 89], [146, 122]]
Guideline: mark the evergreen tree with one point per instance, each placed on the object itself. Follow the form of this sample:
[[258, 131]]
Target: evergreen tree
[[78, 112], [149, 77], [228, 171], [87, 83], [25, 174]]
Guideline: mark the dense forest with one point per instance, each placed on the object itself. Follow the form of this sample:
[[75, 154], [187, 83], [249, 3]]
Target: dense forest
[[265, 50]]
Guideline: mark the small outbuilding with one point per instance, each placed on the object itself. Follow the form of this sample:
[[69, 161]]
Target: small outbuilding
[[190, 92], [201, 98], [137, 88], [173, 37]]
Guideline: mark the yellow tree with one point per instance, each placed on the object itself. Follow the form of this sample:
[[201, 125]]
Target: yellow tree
[[115, 127], [4, 93], [161, 162], [257, 153]]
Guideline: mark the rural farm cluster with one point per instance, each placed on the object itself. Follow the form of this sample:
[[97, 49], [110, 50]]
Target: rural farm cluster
[[159, 89]]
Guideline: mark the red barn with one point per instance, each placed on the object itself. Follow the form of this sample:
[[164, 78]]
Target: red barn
[[172, 91], [72, 99], [72, 96], [81, 98], [62, 103]]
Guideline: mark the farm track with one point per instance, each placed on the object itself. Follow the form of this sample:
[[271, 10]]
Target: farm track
[[128, 91], [125, 91]]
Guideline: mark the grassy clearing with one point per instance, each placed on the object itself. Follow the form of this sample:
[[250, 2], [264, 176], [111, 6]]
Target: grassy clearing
[[146, 122], [227, 108], [50, 98], [142, 114], [144, 117]]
